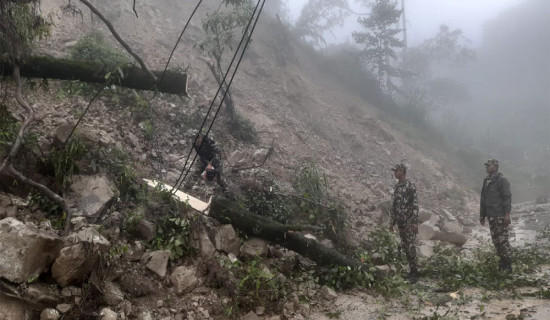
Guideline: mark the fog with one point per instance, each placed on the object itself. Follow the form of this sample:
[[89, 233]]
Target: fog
[[494, 105]]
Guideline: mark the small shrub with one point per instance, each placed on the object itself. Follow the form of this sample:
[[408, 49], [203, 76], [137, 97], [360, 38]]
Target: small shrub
[[258, 287], [173, 227], [93, 47], [131, 220], [64, 161], [341, 278], [243, 129]]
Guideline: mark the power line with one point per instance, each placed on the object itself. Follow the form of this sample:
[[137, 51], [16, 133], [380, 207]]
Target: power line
[[180, 179]]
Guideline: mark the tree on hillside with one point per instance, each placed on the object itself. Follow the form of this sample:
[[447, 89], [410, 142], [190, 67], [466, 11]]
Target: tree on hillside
[[318, 17], [380, 40], [424, 86], [221, 29]]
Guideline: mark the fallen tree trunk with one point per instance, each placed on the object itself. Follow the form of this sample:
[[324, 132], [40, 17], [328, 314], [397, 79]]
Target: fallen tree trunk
[[92, 71], [226, 211]]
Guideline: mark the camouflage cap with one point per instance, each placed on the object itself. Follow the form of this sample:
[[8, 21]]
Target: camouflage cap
[[491, 162], [399, 166]]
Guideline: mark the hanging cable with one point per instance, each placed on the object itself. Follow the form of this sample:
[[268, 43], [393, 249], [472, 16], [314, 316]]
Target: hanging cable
[[183, 171], [229, 84]]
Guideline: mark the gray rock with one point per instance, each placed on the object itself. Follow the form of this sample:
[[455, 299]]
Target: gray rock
[[112, 293], [64, 307], [226, 240], [426, 231], [454, 238], [90, 196], [12, 309], [107, 314], [50, 314], [253, 247], [156, 261], [145, 315], [146, 230], [184, 280], [452, 227], [73, 264], [250, 316], [328, 293], [26, 250], [205, 246], [91, 236], [424, 215]]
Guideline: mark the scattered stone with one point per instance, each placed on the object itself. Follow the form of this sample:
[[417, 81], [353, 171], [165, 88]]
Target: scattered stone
[[146, 230], [226, 240], [64, 307], [250, 316], [107, 314], [91, 236], [253, 248], [50, 314], [328, 293], [156, 261], [145, 315], [452, 227], [112, 294], [454, 238], [184, 280]]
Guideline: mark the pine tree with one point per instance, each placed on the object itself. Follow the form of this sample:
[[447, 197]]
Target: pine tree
[[380, 40]]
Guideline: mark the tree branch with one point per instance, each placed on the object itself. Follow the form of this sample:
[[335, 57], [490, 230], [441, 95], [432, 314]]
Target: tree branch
[[117, 36], [49, 193], [8, 167], [26, 122]]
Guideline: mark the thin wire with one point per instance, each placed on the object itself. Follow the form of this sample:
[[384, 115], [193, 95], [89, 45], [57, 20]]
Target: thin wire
[[232, 77], [180, 179], [177, 42]]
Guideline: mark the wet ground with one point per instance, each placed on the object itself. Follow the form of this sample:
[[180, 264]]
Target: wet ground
[[529, 222]]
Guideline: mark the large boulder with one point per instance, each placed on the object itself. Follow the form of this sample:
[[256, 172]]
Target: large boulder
[[26, 250], [73, 264], [90, 196]]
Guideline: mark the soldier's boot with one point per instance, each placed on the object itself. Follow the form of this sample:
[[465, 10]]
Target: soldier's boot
[[506, 266], [413, 276]]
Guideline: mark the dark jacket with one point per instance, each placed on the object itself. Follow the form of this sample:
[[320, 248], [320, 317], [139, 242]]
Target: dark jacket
[[209, 152], [496, 199]]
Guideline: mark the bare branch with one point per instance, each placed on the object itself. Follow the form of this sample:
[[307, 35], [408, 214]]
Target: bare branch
[[117, 36], [26, 122], [134, 8], [49, 193]]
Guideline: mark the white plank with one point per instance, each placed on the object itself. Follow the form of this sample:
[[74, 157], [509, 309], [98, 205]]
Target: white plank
[[195, 203]]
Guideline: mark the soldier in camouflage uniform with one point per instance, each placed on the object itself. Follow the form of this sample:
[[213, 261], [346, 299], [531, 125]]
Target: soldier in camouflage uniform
[[404, 214], [495, 206], [210, 157]]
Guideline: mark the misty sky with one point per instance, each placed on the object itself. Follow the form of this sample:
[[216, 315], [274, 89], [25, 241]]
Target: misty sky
[[425, 16]]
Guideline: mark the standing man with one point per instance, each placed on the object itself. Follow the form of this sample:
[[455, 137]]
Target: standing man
[[404, 214], [495, 205]]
